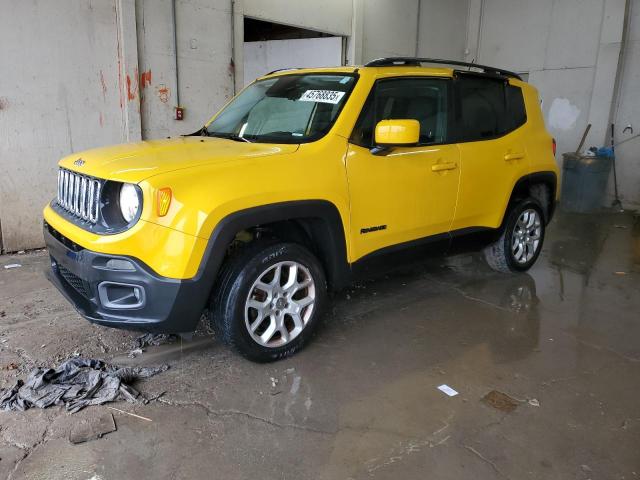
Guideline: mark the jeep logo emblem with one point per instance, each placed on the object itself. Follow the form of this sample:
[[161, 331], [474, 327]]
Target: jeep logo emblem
[[79, 162]]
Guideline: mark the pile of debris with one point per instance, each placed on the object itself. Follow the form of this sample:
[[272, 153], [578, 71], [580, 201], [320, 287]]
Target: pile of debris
[[154, 339], [76, 383], [150, 339]]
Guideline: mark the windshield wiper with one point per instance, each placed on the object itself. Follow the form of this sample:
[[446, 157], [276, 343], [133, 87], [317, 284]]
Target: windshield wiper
[[229, 136], [201, 132]]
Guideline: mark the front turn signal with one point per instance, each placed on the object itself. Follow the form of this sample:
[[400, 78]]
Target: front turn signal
[[164, 201]]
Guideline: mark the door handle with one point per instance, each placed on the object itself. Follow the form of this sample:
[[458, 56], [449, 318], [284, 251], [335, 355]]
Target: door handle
[[513, 156], [439, 167]]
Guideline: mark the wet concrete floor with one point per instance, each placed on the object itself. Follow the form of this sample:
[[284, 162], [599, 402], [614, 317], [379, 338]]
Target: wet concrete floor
[[361, 401]]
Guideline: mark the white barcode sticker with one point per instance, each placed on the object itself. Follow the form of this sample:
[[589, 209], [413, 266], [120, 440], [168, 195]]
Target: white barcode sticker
[[322, 96]]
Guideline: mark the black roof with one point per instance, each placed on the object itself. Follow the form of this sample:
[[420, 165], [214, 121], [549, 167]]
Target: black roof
[[416, 62]]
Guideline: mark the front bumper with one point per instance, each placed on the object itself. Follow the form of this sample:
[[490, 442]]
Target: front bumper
[[166, 305]]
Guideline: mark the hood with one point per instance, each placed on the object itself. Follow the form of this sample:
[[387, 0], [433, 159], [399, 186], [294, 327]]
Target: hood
[[134, 162]]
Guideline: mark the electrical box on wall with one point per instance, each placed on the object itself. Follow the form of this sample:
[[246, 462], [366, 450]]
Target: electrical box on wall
[[179, 113]]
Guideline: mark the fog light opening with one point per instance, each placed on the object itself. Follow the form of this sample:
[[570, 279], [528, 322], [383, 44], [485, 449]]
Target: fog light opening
[[121, 296]]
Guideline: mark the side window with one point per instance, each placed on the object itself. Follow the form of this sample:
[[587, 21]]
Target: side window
[[487, 108], [516, 112], [481, 108], [422, 99]]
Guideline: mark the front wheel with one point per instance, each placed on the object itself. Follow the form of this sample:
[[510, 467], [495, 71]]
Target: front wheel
[[268, 300], [518, 247]]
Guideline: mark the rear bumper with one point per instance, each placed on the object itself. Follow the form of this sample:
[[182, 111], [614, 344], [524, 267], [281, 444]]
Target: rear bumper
[[83, 276]]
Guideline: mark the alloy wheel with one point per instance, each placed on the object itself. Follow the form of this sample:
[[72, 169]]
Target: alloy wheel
[[526, 236], [280, 304]]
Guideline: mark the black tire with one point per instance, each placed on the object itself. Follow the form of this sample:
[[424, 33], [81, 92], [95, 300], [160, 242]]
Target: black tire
[[228, 301], [499, 254]]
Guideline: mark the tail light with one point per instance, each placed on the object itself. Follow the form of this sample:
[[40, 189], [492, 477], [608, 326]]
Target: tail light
[[553, 146]]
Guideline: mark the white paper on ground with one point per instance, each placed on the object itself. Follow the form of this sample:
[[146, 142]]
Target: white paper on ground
[[12, 265], [448, 390]]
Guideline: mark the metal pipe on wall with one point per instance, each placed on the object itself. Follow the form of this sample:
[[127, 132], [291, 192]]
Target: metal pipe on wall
[[175, 49], [417, 49], [479, 33], [233, 43], [617, 86]]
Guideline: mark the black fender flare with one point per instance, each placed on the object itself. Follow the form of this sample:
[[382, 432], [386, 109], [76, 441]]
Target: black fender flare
[[327, 233], [547, 177]]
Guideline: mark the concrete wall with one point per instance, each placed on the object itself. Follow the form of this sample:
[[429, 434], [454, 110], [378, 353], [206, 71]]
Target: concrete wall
[[61, 90], [627, 112], [207, 42], [383, 28], [206, 78], [389, 28], [569, 49], [442, 30]]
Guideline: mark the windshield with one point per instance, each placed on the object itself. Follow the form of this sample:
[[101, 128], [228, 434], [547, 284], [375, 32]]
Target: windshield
[[285, 109]]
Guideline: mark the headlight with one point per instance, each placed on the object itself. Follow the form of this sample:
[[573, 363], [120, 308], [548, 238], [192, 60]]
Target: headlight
[[129, 202]]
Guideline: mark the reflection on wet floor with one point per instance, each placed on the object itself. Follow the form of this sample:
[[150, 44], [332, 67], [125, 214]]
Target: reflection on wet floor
[[636, 242], [562, 342]]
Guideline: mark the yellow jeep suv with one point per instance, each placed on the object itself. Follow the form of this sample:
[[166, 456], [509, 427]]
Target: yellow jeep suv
[[293, 187]]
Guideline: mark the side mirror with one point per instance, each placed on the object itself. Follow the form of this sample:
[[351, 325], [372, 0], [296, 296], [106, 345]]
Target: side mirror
[[395, 133]]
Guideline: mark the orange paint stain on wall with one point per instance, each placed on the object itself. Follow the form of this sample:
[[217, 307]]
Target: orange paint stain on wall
[[163, 93], [145, 79], [132, 86]]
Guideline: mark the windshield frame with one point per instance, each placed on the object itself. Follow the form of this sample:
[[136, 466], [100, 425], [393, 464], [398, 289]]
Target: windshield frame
[[293, 141]]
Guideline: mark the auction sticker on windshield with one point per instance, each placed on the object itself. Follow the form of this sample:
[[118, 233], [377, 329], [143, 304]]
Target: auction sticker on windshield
[[322, 96]]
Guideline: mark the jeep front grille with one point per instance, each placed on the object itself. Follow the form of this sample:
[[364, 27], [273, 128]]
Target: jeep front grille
[[79, 195]]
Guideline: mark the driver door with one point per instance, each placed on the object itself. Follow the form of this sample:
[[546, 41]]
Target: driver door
[[406, 193]]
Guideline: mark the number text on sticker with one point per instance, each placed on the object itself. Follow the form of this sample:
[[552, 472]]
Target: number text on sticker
[[322, 96]]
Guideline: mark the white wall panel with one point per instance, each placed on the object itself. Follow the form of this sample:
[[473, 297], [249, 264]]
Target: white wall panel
[[514, 33], [390, 28], [567, 90], [573, 34], [443, 29], [263, 57]]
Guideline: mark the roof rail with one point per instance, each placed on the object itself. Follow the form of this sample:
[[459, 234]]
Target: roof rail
[[415, 62], [280, 70]]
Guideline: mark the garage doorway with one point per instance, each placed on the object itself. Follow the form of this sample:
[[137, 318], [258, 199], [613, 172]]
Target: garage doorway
[[271, 46]]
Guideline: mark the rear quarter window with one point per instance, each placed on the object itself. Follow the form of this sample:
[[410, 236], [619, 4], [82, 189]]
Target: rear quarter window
[[516, 112], [487, 108]]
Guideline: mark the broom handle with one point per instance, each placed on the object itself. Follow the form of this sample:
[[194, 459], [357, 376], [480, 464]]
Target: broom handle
[[615, 173]]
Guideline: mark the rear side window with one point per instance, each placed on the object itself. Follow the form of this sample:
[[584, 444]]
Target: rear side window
[[487, 108], [422, 99], [517, 114]]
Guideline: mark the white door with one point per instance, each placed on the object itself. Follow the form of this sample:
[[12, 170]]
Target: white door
[[264, 57]]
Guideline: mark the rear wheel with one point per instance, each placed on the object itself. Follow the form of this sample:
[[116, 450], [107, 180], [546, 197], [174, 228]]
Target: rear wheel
[[518, 247], [268, 300]]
